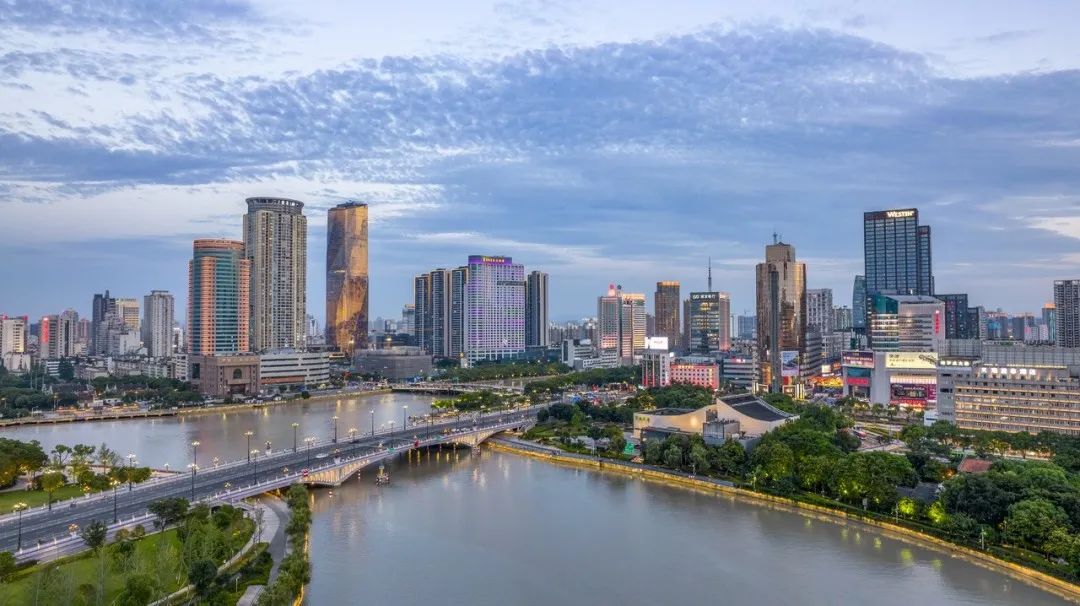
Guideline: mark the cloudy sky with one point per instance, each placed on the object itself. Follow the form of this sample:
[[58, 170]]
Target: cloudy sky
[[603, 141]]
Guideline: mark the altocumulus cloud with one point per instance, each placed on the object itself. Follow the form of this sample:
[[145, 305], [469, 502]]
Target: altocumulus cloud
[[655, 153]]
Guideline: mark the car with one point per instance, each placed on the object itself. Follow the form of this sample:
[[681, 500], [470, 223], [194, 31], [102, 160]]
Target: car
[[321, 455]]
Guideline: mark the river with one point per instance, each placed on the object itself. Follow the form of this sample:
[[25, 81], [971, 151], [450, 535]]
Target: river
[[504, 529]]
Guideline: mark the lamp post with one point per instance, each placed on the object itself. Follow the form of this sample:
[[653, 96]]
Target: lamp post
[[18, 508], [216, 460], [248, 434], [294, 428], [404, 418], [372, 421], [194, 469], [114, 483], [335, 419], [391, 430], [131, 464], [195, 452], [352, 434]]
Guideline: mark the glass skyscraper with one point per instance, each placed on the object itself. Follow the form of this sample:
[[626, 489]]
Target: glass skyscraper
[[536, 310], [710, 322], [218, 302], [666, 303], [896, 252], [781, 319], [275, 241], [347, 277]]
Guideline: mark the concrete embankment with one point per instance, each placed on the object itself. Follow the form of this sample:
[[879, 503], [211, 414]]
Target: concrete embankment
[[1046, 582]]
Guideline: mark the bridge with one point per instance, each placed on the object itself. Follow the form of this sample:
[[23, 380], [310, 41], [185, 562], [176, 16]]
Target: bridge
[[434, 387], [42, 534]]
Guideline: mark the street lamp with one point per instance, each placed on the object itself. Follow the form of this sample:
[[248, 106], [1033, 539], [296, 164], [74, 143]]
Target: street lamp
[[404, 419], [372, 421], [18, 508], [114, 483], [391, 430], [248, 434], [352, 434], [216, 460], [295, 426], [194, 469], [335, 419], [131, 464], [195, 452], [309, 441]]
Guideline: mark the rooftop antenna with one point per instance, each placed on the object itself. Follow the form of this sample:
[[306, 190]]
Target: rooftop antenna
[[710, 274], [775, 237]]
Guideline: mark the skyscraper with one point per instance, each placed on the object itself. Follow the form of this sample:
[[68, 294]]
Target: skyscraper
[[621, 323], [666, 303], [858, 303], [275, 242], [781, 318], [494, 308], [347, 277], [536, 309], [127, 309], [1067, 307], [441, 296], [157, 324], [897, 253], [422, 312], [13, 332], [57, 337], [819, 309], [957, 324], [1049, 315], [219, 276], [459, 280], [706, 322], [747, 327], [104, 305]]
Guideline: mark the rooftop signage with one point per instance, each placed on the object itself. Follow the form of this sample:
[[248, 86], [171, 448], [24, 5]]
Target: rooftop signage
[[486, 260]]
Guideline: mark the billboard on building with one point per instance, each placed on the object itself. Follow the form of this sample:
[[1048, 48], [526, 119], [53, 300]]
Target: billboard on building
[[923, 360], [857, 359], [912, 394], [656, 342], [789, 363]]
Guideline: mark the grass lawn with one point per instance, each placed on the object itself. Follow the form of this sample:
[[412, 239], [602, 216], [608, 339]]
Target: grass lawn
[[74, 581], [35, 498]]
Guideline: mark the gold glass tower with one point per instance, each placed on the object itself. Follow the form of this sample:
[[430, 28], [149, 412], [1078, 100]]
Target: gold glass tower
[[347, 277], [781, 318]]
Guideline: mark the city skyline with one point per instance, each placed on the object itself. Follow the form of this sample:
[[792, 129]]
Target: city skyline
[[890, 114]]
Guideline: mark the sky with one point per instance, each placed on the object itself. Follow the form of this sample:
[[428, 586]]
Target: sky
[[609, 141]]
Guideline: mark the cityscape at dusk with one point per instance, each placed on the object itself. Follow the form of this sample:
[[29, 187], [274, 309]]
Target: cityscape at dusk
[[503, 302]]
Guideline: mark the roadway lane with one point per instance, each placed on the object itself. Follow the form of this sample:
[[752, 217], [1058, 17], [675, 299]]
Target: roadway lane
[[44, 526]]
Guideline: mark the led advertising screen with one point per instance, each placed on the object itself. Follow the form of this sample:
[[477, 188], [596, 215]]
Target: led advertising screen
[[912, 394], [857, 359], [924, 360], [789, 363]]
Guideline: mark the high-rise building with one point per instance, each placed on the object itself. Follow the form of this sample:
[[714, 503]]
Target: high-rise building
[[494, 308], [819, 309], [219, 276], [459, 281], [858, 303], [157, 325], [909, 323], [842, 318], [957, 324], [347, 277], [1049, 316], [57, 338], [621, 323], [13, 333], [1067, 311], [441, 295], [710, 324], [747, 326], [408, 319], [781, 318], [536, 309], [666, 303], [104, 306], [897, 253], [275, 242], [127, 309], [422, 312]]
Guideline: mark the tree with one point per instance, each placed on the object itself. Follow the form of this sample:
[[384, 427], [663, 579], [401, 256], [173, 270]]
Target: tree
[[66, 371], [699, 458], [673, 456], [139, 589], [93, 534], [1032, 521], [772, 461], [729, 458], [202, 574], [169, 511], [51, 482], [977, 496], [8, 565]]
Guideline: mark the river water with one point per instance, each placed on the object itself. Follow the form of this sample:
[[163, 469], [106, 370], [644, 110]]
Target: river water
[[453, 528]]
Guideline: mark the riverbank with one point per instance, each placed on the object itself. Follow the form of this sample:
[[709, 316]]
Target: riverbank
[[1043, 581], [188, 411]]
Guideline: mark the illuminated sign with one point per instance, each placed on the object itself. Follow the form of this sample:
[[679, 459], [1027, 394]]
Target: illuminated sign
[[789, 363], [912, 394], [926, 360], [857, 359], [486, 260], [899, 214], [704, 296], [656, 342]]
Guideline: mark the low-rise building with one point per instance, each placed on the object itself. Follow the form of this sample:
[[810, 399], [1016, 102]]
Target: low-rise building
[[702, 372], [744, 414], [394, 364], [291, 368], [220, 376], [739, 371], [656, 367]]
